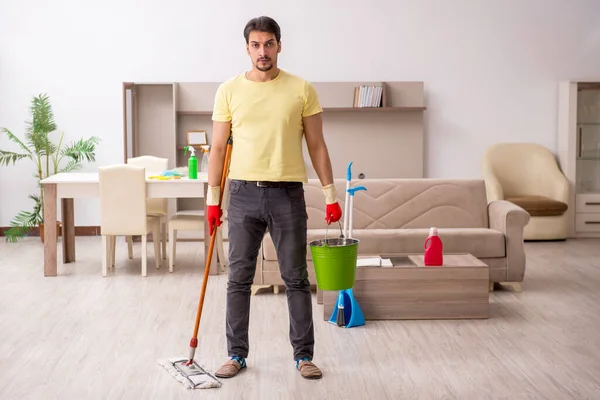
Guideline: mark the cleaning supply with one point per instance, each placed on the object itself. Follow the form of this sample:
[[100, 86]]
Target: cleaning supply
[[433, 249], [346, 205], [167, 175], [187, 370], [206, 150], [192, 377], [351, 191], [175, 172], [192, 162], [334, 261], [340, 319], [347, 312]]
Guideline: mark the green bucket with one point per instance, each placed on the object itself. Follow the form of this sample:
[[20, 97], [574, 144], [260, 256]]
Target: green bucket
[[335, 262]]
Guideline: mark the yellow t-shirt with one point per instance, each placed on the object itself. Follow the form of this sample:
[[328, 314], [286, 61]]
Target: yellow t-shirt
[[266, 125]]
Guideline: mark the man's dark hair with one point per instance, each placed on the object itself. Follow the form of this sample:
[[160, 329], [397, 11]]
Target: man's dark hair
[[262, 24]]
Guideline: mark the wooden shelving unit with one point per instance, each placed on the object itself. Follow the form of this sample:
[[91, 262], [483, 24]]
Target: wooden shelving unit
[[157, 115], [332, 109], [206, 112], [373, 109], [579, 153]]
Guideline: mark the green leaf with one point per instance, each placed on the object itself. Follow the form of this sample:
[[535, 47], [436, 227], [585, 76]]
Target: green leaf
[[9, 157], [41, 143], [22, 224], [83, 149], [16, 140], [16, 233], [41, 125], [43, 115], [35, 198], [71, 166]]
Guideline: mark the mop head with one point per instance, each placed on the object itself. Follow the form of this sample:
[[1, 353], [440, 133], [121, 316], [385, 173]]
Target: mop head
[[193, 377]]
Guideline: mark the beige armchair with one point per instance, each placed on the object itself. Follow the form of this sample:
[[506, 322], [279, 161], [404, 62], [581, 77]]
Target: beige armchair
[[528, 175]]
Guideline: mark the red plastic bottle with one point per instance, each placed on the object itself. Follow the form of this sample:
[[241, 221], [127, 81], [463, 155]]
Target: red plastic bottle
[[434, 249]]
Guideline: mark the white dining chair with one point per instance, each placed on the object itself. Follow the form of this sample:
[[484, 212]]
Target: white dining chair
[[123, 212], [194, 221], [158, 208]]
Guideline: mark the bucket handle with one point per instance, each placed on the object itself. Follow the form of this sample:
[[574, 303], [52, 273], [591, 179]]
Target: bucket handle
[[341, 231]]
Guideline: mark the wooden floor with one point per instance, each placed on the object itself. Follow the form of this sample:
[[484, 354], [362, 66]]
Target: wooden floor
[[81, 336]]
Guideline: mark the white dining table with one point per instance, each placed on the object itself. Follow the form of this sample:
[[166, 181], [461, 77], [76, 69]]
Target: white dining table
[[75, 185]]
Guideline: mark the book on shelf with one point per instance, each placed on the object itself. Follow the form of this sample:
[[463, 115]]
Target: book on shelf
[[368, 96]]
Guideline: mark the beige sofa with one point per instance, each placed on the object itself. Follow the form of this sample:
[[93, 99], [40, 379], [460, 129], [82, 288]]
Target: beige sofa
[[394, 216]]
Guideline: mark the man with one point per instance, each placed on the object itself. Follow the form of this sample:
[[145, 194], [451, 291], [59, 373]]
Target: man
[[268, 111]]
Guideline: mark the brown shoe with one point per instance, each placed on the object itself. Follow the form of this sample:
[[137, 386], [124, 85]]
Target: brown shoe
[[309, 370], [230, 368]]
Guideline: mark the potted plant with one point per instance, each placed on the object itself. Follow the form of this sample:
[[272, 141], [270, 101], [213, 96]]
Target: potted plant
[[49, 159]]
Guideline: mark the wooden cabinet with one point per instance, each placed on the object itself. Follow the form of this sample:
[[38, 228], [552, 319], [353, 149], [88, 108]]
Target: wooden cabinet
[[579, 153]]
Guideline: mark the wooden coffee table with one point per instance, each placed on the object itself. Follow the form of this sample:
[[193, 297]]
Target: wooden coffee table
[[410, 290]]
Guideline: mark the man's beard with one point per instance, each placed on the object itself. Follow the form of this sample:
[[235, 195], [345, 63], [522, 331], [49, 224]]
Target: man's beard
[[264, 67]]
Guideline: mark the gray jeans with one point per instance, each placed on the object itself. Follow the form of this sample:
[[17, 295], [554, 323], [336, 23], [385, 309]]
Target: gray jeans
[[252, 210]]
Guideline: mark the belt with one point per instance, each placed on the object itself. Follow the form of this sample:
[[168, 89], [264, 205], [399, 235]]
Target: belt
[[272, 184]]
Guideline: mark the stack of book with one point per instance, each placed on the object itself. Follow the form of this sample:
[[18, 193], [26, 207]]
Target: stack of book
[[368, 96]]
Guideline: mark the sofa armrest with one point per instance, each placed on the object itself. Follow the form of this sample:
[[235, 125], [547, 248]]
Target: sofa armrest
[[511, 220]]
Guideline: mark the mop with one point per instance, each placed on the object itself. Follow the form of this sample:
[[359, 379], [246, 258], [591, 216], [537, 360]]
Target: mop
[[347, 312], [186, 370]]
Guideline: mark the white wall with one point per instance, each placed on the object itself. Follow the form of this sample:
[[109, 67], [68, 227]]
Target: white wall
[[490, 68]]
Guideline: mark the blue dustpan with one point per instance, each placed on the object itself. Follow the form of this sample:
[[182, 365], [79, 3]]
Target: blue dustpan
[[347, 312]]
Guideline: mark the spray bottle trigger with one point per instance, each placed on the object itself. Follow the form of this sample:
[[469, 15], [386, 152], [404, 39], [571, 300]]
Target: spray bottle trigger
[[191, 149]]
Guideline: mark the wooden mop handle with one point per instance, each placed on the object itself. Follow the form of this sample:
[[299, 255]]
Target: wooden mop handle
[[194, 340], [225, 169]]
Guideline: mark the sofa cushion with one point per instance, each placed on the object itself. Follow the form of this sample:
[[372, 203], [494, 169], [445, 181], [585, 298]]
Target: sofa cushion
[[480, 242], [539, 206]]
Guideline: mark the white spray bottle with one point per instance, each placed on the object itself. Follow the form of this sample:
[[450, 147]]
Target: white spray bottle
[[204, 166]]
